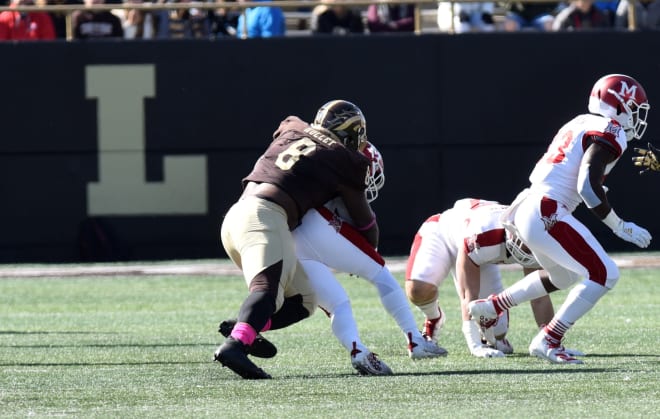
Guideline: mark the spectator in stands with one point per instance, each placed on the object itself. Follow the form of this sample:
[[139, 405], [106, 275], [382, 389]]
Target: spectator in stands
[[336, 19], [609, 8], [224, 21], [23, 26], [581, 15], [647, 14], [468, 17], [184, 23], [88, 24], [534, 16], [262, 22], [391, 18], [59, 18], [139, 24]]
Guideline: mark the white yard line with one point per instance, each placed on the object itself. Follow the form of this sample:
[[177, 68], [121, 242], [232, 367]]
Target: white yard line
[[222, 267]]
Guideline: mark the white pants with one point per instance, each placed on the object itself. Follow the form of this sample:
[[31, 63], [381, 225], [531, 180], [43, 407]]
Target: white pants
[[563, 245]]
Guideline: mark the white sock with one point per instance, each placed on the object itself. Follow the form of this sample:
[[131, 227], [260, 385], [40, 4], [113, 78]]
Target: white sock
[[396, 304], [430, 310], [528, 288], [344, 327]]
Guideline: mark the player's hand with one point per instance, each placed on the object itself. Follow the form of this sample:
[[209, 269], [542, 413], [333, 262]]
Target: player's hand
[[647, 159], [473, 340], [633, 233], [483, 351]]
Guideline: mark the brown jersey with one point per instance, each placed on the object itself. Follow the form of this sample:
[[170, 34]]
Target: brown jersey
[[308, 165]]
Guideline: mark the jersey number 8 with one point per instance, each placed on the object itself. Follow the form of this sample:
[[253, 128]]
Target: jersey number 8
[[289, 157]]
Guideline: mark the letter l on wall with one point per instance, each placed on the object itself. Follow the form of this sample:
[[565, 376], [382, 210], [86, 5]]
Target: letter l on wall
[[122, 188]]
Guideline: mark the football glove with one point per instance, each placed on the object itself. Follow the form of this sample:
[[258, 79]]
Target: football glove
[[647, 159], [633, 233], [627, 230], [473, 340]]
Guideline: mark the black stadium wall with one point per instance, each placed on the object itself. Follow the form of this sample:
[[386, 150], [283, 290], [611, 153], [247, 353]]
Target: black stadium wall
[[134, 150]]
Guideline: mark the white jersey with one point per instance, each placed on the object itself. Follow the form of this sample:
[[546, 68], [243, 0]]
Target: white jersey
[[556, 173], [472, 226]]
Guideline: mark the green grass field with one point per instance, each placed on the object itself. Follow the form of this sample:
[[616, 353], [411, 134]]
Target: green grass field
[[141, 346]]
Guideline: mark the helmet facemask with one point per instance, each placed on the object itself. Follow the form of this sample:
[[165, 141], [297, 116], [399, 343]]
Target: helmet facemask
[[375, 172], [636, 116], [517, 248]]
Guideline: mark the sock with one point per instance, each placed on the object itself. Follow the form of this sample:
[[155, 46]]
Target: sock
[[579, 301], [244, 332], [430, 310], [397, 306], [267, 326], [555, 330], [528, 288], [357, 348], [345, 328]]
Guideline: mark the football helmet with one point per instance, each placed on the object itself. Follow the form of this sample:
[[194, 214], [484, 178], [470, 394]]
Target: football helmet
[[345, 120], [623, 99], [375, 172], [519, 252]]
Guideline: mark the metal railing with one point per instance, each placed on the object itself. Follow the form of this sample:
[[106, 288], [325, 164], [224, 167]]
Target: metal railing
[[243, 5]]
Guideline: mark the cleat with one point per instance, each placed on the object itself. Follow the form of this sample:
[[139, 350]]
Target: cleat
[[261, 347], [485, 351], [504, 346], [233, 355], [432, 327], [368, 363], [574, 352], [424, 348], [483, 312], [542, 347], [488, 339]]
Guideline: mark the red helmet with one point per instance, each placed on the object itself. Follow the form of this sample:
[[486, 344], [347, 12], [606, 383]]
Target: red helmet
[[375, 172], [622, 98]]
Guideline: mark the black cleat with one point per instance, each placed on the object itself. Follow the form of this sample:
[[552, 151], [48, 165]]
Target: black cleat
[[261, 347], [233, 355]]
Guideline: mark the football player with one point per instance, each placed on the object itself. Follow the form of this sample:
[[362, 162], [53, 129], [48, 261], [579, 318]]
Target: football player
[[303, 168], [468, 240], [571, 172], [328, 239]]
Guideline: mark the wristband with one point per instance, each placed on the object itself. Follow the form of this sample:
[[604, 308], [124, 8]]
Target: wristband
[[368, 226], [612, 220]]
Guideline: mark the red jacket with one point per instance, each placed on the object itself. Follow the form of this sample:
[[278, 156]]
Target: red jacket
[[26, 26]]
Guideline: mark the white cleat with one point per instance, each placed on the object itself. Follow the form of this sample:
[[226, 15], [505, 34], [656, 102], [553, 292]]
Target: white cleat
[[368, 363], [423, 348], [488, 338], [483, 312], [432, 327], [574, 352], [504, 346], [484, 351], [542, 347]]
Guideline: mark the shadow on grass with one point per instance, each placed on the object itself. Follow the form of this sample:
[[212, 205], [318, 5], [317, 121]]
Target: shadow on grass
[[48, 332], [98, 364], [112, 345]]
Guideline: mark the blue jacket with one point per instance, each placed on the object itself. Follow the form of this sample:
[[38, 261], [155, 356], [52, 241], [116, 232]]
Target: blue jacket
[[262, 22]]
